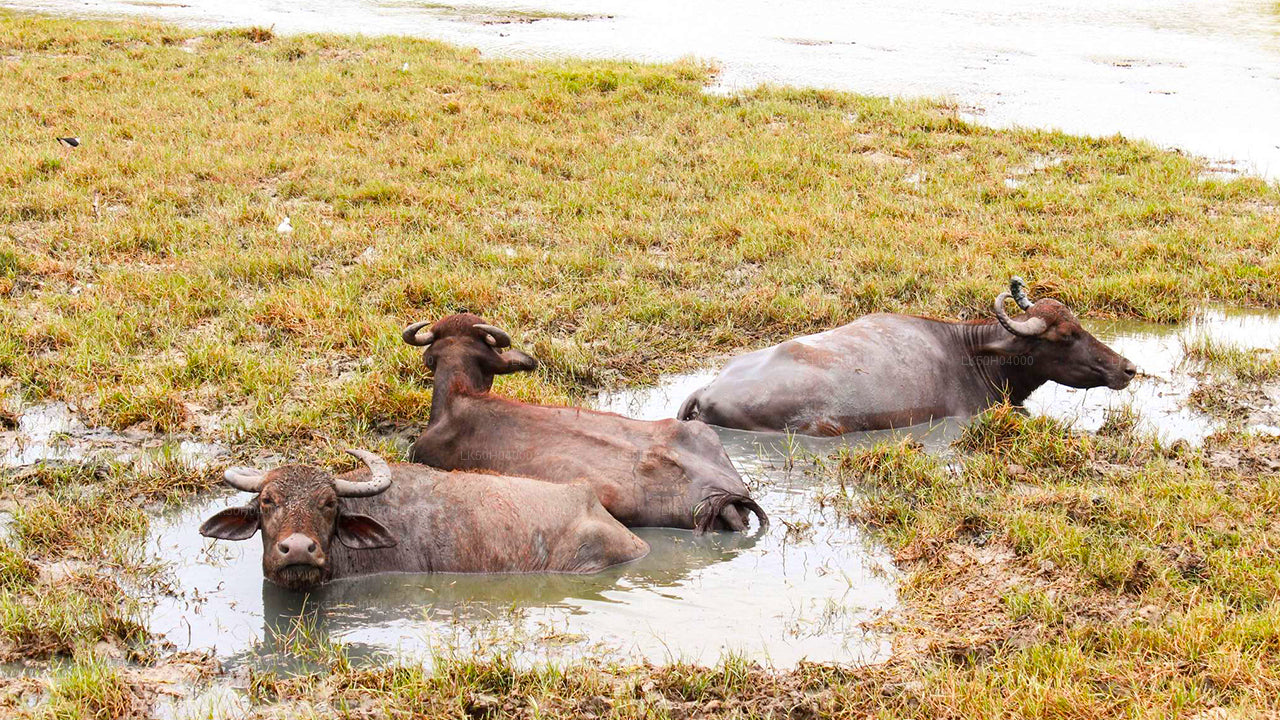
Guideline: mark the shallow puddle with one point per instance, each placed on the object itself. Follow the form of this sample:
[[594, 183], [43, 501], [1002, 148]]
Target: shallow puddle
[[1166, 379], [1201, 75], [54, 433]]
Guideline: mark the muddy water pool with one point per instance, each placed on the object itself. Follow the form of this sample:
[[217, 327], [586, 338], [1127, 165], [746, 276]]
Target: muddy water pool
[[809, 587], [1201, 75]]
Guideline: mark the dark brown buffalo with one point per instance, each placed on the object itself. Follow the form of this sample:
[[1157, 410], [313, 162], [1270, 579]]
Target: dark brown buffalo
[[882, 371], [419, 520], [657, 474]]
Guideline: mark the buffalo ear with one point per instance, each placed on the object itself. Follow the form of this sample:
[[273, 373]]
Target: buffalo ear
[[237, 523], [361, 532], [516, 361]]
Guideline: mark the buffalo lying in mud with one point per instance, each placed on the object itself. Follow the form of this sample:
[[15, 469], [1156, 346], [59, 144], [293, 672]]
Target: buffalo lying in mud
[[427, 521], [882, 371], [656, 474]]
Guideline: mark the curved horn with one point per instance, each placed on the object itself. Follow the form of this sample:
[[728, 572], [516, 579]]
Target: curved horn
[[410, 334], [1018, 289], [495, 336], [1031, 327], [246, 479], [379, 477]]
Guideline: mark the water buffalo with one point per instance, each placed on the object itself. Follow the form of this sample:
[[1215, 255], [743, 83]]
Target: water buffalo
[[657, 474], [427, 521], [882, 371]]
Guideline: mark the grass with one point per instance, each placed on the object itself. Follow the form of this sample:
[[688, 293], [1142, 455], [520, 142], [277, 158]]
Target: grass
[[617, 219], [71, 566], [1232, 381], [497, 687], [621, 223], [89, 690], [1062, 575]]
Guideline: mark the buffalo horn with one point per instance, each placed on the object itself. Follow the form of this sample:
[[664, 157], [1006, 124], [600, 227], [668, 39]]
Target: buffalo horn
[[245, 478], [411, 336], [495, 336], [1030, 327], [379, 477]]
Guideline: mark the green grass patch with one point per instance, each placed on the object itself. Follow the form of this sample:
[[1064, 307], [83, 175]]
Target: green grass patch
[[59, 619], [1113, 556], [1016, 437]]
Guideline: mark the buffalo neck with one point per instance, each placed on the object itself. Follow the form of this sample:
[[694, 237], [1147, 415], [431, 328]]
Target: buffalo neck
[[1001, 373], [453, 377]]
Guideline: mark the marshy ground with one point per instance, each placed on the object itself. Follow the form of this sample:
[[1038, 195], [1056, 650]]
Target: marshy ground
[[623, 224]]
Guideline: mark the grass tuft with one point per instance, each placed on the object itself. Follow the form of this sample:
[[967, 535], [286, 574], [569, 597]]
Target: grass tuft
[[90, 690], [1016, 437], [1244, 365]]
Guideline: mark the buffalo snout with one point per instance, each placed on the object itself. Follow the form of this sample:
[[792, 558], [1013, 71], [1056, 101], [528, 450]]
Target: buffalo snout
[[1127, 372], [299, 549]]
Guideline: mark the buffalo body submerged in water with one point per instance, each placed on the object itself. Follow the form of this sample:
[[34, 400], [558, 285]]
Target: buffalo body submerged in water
[[885, 370]]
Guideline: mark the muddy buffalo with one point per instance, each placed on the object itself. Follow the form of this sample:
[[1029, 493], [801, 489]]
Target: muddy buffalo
[[882, 371], [418, 520], [658, 474]]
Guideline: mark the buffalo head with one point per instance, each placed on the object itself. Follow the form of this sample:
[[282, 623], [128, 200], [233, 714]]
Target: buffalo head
[[298, 511], [1059, 349], [464, 347]]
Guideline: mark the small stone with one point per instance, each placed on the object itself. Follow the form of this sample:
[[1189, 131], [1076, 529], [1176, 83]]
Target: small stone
[[1149, 613], [482, 705], [106, 650], [60, 571]]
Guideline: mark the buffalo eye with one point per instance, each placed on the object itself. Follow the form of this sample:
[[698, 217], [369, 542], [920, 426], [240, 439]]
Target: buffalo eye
[[329, 504], [431, 362]]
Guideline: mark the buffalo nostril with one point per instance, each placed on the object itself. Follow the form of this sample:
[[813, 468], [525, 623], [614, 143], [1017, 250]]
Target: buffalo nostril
[[311, 548], [1130, 369], [284, 549]]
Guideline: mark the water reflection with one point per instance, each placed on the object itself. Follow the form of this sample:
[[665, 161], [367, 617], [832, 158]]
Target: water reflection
[[769, 596]]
